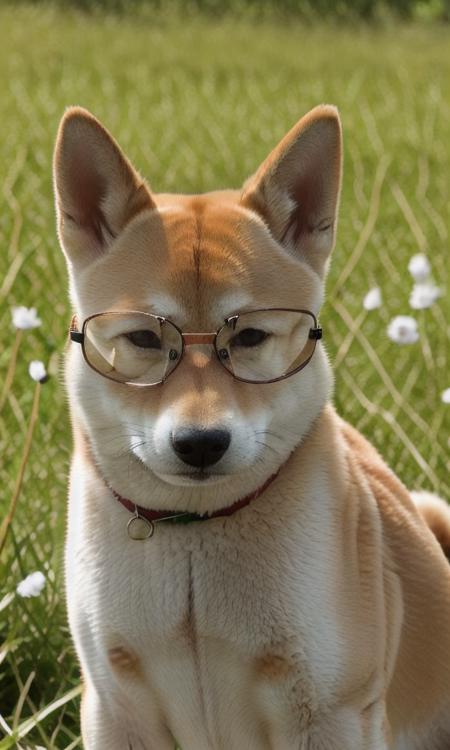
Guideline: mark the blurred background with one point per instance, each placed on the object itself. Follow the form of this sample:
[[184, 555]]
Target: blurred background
[[197, 94]]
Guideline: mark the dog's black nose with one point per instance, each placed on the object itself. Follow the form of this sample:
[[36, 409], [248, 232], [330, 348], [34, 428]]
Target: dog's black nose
[[200, 447]]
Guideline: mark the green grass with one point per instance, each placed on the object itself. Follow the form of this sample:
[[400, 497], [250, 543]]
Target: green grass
[[197, 105]]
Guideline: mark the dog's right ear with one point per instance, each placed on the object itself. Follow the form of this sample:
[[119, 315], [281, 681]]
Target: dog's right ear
[[296, 189], [97, 190]]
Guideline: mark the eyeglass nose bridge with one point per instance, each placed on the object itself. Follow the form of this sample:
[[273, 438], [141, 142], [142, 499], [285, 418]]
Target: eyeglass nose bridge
[[192, 339]]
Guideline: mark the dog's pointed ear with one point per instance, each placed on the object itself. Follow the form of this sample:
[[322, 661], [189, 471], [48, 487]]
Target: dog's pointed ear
[[296, 189], [97, 190]]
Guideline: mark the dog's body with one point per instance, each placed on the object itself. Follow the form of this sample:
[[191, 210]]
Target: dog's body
[[318, 615]]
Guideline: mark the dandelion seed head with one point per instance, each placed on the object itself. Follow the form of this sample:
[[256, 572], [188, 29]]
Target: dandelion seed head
[[372, 300], [445, 396], [25, 317], [419, 267], [424, 295], [32, 585], [403, 330], [37, 371]]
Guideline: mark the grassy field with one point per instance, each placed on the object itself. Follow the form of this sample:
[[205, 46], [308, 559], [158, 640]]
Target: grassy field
[[197, 105]]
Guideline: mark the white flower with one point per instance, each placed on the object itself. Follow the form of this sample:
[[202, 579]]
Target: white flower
[[445, 396], [372, 300], [424, 295], [419, 267], [37, 371], [32, 585], [403, 330], [25, 317]]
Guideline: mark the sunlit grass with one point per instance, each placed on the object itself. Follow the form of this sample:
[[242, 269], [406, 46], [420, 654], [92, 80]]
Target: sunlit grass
[[197, 105]]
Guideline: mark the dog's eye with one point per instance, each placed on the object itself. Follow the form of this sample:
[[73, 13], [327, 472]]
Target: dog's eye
[[249, 337], [144, 339]]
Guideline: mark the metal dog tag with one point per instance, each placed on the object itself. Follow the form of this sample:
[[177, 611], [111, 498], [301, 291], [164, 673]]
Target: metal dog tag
[[140, 528]]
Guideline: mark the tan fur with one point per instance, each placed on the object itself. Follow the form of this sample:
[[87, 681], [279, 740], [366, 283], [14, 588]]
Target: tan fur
[[124, 661], [319, 615], [416, 557], [272, 666], [436, 514]]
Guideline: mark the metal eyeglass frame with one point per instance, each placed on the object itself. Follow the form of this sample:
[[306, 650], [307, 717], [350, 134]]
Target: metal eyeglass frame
[[192, 339]]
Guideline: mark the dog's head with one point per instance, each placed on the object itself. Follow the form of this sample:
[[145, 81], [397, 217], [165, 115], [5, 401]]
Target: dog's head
[[202, 438]]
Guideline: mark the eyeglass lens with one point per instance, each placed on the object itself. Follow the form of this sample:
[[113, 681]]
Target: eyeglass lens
[[143, 349], [132, 347], [265, 345]]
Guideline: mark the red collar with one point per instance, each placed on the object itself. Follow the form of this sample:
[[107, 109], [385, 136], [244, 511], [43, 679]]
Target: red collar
[[142, 524]]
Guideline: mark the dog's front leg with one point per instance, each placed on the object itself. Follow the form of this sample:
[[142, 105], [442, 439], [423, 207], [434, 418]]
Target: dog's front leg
[[352, 729], [105, 729], [98, 727]]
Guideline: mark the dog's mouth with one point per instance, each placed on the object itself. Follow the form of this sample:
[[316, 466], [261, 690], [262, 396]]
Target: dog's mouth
[[198, 476], [193, 477]]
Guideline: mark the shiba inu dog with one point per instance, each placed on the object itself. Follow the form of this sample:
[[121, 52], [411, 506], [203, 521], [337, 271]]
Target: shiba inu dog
[[243, 570]]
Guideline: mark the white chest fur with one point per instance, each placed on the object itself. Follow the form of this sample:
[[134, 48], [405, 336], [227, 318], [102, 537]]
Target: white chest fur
[[225, 631]]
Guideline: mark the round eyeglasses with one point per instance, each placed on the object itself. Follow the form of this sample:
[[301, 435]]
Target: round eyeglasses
[[142, 349]]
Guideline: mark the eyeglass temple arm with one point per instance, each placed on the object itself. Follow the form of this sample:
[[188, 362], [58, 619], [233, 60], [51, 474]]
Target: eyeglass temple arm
[[315, 333], [74, 333]]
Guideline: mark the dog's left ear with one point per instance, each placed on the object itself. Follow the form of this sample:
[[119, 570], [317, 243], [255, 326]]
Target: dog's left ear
[[97, 190], [296, 189]]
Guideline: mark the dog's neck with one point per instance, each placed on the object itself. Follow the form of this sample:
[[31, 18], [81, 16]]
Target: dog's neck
[[148, 518]]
